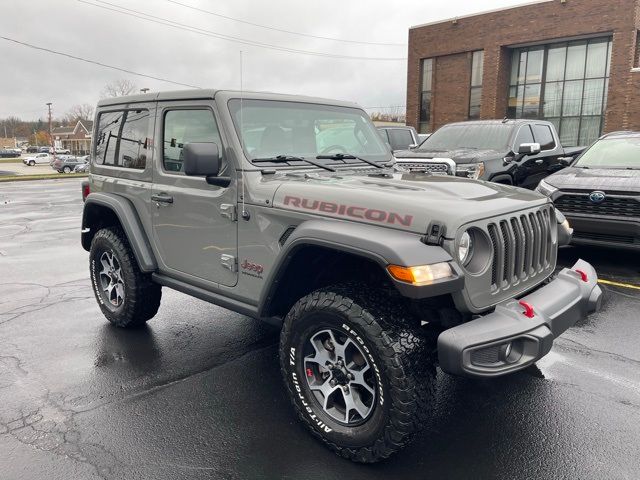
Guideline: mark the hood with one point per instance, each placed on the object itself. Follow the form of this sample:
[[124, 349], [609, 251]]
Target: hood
[[459, 155], [607, 179], [406, 201]]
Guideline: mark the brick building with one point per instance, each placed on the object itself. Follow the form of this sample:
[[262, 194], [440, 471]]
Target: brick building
[[76, 138], [573, 62]]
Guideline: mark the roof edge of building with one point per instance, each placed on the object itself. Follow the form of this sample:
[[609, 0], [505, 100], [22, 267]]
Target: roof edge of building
[[484, 12]]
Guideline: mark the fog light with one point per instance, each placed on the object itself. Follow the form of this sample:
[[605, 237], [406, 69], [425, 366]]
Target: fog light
[[505, 351]]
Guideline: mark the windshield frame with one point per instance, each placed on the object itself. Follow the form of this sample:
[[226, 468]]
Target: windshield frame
[[232, 104], [577, 161], [506, 147]]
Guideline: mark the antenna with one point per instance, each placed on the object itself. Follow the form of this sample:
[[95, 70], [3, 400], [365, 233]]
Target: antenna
[[245, 215]]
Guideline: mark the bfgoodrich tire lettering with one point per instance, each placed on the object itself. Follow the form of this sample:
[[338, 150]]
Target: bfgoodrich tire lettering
[[397, 354], [129, 298]]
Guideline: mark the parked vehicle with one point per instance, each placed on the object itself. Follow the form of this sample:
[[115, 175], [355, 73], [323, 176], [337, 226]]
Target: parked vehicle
[[38, 158], [44, 150], [62, 151], [81, 168], [400, 138], [600, 192], [9, 153], [375, 275], [32, 149], [67, 163], [512, 152], [422, 137]]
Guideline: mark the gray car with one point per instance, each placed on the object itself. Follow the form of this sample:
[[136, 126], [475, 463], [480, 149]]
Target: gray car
[[600, 192], [290, 210]]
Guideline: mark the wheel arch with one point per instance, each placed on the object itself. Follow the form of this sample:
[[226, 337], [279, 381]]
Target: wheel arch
[[103, 210], [337, 252]]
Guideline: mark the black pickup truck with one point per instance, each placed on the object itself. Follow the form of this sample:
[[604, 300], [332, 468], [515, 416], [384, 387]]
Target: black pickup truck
[[513, 152]]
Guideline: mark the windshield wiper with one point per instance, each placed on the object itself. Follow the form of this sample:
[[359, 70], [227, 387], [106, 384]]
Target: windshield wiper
[[291, 158], [348, 156]]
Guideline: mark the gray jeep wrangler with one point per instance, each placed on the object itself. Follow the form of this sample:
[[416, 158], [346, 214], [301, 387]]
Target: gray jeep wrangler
[[290, 210]]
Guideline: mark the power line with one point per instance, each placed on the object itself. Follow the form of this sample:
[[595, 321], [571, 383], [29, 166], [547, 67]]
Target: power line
[[208, 33], [93, 62], [282, 30]]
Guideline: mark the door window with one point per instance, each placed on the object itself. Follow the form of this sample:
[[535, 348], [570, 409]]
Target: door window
[[544, 137], [186, 126], [524, 136], [400, 139]]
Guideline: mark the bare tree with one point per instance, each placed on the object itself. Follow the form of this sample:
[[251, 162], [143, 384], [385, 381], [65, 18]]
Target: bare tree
[[118, 88], [83, 112]]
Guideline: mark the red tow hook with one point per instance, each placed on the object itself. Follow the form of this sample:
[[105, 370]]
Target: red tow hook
[[583, 275], [528, 309]]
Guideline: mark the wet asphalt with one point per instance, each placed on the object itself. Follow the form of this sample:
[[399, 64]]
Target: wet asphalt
[[197, 393]]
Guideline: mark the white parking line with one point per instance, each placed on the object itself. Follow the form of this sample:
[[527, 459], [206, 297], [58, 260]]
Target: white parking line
[[546, 365]]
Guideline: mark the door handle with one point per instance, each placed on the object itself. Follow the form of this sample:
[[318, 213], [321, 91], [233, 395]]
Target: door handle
[[539, 161], [162, 198]]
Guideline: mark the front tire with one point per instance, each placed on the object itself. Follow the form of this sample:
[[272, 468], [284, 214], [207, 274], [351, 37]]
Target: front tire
[[66, 169], [126, 296], [32, 163], [359, 376]]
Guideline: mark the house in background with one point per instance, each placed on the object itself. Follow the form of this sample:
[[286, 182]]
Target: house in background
[[75, 138]]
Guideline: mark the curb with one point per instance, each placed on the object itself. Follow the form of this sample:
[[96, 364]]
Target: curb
[[49, 176]]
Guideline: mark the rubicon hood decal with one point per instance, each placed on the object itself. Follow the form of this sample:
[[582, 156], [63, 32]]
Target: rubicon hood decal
[[353, 211]]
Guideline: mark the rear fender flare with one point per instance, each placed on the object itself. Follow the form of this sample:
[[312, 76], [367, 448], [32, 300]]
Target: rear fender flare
[[129, 221]]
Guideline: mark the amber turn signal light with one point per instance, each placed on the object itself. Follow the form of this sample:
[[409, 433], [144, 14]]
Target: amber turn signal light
[[422, 274]]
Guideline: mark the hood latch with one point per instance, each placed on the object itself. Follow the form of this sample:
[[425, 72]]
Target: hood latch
[[435, 233]]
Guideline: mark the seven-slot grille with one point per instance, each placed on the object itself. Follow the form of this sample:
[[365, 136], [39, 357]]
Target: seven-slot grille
[[522, 246], [618, 206]]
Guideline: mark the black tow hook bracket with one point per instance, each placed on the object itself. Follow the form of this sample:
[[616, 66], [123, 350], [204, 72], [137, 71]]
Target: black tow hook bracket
[[435, 233]]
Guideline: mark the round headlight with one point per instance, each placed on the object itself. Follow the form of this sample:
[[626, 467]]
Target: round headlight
[[465, 247]]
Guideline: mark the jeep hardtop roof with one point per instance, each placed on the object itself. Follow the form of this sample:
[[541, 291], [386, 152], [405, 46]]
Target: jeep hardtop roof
[[209, 94]]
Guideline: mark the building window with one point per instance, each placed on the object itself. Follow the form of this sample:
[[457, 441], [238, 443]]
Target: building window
[[475, 92], [564, 83], [425, 94]]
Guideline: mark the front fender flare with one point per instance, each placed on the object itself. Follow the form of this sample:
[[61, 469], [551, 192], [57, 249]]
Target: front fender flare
[[384, 246], [129, 220]]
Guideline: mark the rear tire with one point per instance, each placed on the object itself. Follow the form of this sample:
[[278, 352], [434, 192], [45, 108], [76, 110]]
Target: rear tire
[[373, 344], [32, 163], [126, 296], [66, 169]]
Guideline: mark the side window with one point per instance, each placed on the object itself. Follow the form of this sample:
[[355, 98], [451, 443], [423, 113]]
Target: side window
[[544, 137], [400, 139], [133, 140], [122, 139], [524, 136], [182, 127], [109, 124]]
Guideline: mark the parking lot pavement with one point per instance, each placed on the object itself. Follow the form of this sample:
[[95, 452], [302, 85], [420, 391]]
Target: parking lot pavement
[[197, 394], [22, 169]]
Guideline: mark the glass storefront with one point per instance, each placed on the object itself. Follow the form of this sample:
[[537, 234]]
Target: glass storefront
[[564, 83]]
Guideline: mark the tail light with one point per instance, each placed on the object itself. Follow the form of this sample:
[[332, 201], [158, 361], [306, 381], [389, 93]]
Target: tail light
[[86, 190]]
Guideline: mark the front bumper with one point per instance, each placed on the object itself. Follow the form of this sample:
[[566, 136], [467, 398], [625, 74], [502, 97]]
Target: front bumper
[[508, 340]]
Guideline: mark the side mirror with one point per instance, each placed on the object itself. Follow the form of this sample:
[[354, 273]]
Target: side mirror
[[203, 160], [565, 161], [529, 148]]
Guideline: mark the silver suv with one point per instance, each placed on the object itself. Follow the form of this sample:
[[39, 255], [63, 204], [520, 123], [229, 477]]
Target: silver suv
[[290, 209]]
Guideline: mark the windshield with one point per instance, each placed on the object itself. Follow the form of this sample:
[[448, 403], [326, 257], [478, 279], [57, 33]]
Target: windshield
[[612, 153], [478, 136], [273, 128]]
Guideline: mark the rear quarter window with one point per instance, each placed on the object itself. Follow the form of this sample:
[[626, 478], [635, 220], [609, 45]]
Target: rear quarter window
[[121, 139]]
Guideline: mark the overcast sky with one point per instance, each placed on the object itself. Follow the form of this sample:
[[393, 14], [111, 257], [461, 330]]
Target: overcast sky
[[31, 78]]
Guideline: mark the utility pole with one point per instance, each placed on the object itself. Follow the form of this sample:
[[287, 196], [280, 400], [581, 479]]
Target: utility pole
[[50, 135]]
